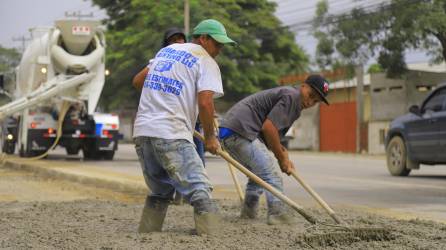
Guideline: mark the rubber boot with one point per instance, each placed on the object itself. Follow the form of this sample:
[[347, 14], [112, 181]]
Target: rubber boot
[[278, 214], [153, 215], [207, 219], [250, 207]]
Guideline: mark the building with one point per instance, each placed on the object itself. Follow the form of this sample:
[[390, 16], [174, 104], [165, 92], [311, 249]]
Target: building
[[334, 128]]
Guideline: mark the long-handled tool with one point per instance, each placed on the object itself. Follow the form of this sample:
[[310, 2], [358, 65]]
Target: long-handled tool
[[316, 197], [262, 183], [238, 188], [348, 234], [236, 183]]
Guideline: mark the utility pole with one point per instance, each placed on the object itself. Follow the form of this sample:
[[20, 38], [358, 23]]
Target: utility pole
[[359, 104], [22, 39], [78, 14], [186, 17]]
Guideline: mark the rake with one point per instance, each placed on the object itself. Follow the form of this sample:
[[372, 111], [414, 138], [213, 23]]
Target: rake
[[346, 235]]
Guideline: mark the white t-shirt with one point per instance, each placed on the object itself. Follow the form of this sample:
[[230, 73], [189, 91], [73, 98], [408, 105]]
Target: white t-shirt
[[168, 107]]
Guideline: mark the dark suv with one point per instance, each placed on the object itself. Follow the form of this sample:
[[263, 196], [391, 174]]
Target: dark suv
[[418, 137]]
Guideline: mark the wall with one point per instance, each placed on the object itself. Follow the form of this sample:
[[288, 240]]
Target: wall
[[377, 132], [419, 84], [306, 130], [338, 127], [344, 95], [391, 98], [388, 97]]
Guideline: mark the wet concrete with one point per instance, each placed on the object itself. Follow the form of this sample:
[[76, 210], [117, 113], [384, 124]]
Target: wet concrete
[[344, 180], [46, 213]]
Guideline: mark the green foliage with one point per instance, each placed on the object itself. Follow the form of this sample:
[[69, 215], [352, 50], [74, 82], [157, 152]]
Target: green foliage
[[386, 31], [9, 59], [375, 68], [265, 50]]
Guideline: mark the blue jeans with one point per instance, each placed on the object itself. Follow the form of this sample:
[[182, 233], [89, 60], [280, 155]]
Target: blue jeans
[[258, 159], [199, 144], [170, 165]]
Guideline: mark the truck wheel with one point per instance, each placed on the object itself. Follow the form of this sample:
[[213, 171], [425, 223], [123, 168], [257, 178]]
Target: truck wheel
[[8, 148], [108, 155], [91, 154], [397, 157], [87, 154], [72, 151], [21, 151]]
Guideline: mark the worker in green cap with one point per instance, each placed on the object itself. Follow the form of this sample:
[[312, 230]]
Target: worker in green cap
[[181, 83]]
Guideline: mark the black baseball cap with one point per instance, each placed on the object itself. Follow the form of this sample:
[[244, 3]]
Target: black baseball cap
[[318, 83], [171, 32]]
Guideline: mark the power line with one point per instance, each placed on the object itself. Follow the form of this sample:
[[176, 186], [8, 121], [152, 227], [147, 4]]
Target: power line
[[349, 5], [344, 11], [23, 40], [342, 16]]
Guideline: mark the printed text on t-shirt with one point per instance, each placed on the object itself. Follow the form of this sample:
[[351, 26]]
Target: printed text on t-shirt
[[164, 84], [182, 56]]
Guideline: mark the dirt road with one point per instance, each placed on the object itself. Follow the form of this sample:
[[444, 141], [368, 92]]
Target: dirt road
[[52, 214]]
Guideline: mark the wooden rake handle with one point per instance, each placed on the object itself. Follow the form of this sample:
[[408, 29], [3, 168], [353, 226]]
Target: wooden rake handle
[[236, 183], [262, 183], [316, 197], [238, 188]]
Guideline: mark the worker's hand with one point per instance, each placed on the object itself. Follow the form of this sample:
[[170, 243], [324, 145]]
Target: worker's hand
[[212, 145], [286, 166]]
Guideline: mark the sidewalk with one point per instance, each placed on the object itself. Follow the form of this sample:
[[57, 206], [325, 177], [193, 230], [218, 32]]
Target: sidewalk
[[81, 172], [122, 174]]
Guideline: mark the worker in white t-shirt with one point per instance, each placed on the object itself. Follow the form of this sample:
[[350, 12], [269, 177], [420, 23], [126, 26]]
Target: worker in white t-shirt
[[181, 83], [171, 36]]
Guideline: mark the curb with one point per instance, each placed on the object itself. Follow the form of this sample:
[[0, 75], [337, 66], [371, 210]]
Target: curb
[[120, 186]]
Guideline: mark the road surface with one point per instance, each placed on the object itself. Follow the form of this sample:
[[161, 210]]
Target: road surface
[[341, 179]]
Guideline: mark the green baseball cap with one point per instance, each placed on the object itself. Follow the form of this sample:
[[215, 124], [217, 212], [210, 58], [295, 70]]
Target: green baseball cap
[[214, 29]]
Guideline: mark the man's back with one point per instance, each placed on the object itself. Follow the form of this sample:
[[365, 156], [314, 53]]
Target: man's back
[[168, 104], [280, 105]]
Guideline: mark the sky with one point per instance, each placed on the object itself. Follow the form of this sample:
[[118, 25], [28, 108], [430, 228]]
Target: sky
[[18, 16]]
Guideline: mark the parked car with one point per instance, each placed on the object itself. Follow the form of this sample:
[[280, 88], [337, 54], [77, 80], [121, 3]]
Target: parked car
[[418, 137]]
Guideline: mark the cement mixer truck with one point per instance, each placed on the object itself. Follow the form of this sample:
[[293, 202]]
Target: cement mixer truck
[[58, 84]]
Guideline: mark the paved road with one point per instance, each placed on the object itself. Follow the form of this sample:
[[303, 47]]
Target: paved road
[[341, 179]]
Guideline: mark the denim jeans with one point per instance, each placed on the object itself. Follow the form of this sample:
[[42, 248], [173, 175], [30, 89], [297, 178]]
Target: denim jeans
[[170, 165], [199, 144], [258, 159]]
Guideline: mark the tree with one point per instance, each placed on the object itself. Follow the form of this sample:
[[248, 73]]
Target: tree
[[135, 28], [9, 58], [375, 68], [387, 30]]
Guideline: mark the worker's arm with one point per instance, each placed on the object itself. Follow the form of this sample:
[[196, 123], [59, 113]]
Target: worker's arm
[[272, 138], [138, 79], [206, 109]]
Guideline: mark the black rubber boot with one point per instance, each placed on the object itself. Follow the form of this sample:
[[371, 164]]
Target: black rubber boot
[[207, 219], [250, 207], [279, 214], [153, 215]]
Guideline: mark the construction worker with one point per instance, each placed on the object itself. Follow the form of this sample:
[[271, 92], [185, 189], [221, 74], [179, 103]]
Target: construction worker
[[171, 36], [253, 127], [181, 83]]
